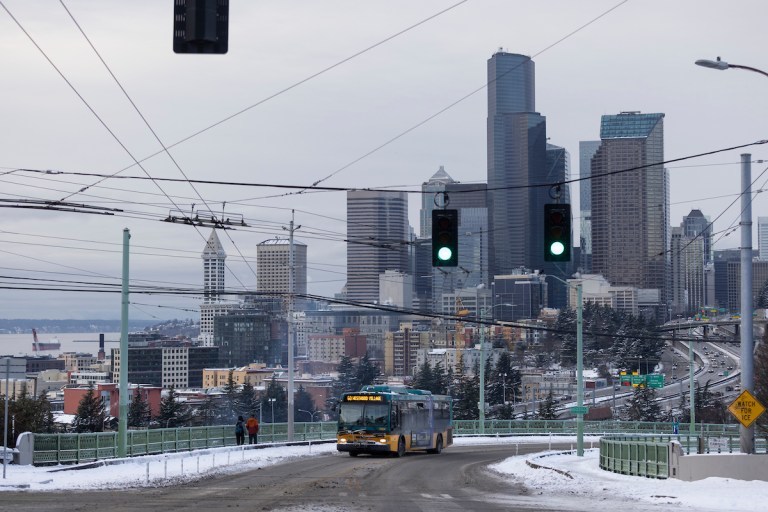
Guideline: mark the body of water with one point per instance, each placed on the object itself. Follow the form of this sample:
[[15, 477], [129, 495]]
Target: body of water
[[88, 342]]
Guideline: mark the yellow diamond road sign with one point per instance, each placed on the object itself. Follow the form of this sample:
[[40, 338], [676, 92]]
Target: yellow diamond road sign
[[746, 408]]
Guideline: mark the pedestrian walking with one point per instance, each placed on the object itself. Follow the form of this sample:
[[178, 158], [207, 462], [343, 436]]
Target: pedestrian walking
[[252, 425], [240, 431]]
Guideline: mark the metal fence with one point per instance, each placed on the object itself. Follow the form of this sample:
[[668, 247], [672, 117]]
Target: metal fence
[[648, 455], [636, 455], [592, 428], [77, 448]]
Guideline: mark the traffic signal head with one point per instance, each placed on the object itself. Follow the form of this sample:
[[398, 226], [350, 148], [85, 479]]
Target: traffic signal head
[[557, 232], [445, 238], [200, 26]]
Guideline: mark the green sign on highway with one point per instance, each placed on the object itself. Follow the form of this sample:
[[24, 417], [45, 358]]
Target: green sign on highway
[[654, 381], [638, 380], [579, 409]]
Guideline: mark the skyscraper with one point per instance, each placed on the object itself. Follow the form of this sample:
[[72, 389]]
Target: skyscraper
[[587, 149], [762, 237], [521, 166], [696, 224], [377, 240], [471, 202], [687, 292], [630, 210], [516, 159]]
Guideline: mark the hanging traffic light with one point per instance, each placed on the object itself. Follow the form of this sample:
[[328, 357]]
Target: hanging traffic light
[[200, 26], [445, 238], [557, 232]]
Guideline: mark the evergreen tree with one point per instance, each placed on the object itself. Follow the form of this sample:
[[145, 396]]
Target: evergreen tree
[[424, 378], [643, 405], [90, 415], [29, 414], [709, 407], [303, 402], [173, 413], [348, 377], [230, 394], [466, 396], [247, 401], [547, 408], [279, 406], [367, 372], [441, 379], [208, 413], [138, 410]]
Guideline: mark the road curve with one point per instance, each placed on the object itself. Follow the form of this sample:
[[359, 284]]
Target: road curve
[[455, 480]]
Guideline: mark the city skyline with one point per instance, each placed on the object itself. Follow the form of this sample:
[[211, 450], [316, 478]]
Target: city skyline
[[326, 126]]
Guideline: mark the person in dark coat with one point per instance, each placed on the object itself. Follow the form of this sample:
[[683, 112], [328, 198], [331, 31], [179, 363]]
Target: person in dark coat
[[240, 430]]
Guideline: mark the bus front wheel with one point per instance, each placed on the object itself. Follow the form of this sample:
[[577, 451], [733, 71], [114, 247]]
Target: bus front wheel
[[438, 446], [400, 448]]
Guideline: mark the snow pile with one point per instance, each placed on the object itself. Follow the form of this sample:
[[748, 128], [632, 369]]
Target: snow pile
[[555, 474]]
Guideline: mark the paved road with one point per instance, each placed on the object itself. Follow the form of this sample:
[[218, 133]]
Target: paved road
[[455, 480]]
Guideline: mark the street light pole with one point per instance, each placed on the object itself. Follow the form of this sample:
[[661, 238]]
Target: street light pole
[[481, 402], [579, 372], [746, 435]]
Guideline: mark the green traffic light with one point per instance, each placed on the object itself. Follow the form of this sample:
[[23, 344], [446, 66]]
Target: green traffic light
[[557, 248], [444, 253]]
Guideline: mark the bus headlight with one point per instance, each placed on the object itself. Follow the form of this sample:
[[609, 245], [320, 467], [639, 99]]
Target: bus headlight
[[342, 441], [383, 441]]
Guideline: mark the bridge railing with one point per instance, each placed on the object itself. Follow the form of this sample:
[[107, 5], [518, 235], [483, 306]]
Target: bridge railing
[[88, 447], [646, 455], [77, 448]]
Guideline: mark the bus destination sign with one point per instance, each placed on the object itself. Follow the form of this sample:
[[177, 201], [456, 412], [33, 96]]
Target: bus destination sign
[[363, 398]]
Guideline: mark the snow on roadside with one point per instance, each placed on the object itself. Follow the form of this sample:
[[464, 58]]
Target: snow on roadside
[[584, 478]]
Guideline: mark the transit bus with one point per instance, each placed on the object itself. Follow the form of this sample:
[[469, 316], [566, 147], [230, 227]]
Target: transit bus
[[393, 420]]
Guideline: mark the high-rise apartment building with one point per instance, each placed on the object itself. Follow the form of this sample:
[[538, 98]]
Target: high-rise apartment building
[[273, 266], [762, 237], [520, 166], [587, 149], [377, 240], [630, 208]]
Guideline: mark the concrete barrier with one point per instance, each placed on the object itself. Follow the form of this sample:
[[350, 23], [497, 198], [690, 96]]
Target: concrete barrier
[[739, 466]]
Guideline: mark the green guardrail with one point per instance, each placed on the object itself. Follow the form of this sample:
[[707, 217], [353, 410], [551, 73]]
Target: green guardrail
[[77, 448], [594, 428], [636, 455]]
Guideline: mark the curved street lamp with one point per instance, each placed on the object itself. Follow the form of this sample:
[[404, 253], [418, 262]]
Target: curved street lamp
[[746, 434], [722, 65]]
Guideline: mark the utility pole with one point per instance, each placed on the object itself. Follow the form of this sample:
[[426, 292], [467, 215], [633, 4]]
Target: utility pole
[[291, 290], [122, 420], [746, 435]]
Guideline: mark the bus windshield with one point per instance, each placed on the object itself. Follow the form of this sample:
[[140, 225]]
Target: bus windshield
[[354, 416]]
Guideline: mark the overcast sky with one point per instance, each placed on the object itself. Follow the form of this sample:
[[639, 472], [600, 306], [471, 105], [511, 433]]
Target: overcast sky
[[638, 57]]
